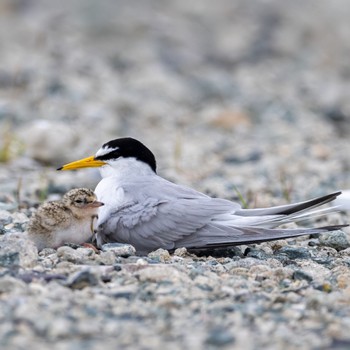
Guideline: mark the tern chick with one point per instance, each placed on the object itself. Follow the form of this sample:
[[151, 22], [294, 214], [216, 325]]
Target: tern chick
[[69, 220], [149, 212]]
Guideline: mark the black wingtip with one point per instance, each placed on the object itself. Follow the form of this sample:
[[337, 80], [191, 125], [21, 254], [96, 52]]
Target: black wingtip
[[311, 203], [334, 227]]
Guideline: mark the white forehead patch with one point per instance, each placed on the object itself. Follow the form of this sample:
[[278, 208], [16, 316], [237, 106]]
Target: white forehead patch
[[104, 150]]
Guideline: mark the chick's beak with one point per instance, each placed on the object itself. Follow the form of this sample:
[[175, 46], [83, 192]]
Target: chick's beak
[[89, 162], [95, 204]]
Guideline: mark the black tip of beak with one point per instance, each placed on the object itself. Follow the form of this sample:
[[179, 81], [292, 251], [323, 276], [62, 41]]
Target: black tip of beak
[[60, 168]]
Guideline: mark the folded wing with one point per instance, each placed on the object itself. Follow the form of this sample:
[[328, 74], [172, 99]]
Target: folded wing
[[160, 214]]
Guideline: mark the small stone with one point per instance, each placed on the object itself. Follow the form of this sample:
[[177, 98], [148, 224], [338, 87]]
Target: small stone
[[19, 218], [77, 256], [343, 280], [61, 328], [219, 337], [8, 259], [161, 273], [345, 252], [276, 245], [119, 249], [336, 239], [17, 251], [160, 255], [10, 284], [68, 254], [326, 261], [82, 279], [106, 258], [244, 263], [5, 217], [294, 252], [182, 252], [47, 252], [141, 262], [301, 275], [256, 253]]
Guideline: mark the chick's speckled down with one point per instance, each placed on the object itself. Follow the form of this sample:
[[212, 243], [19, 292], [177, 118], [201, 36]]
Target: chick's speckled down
[[69, 220]]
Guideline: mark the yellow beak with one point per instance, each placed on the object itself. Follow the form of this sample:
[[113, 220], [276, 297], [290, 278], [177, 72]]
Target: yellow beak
[[89, 162]]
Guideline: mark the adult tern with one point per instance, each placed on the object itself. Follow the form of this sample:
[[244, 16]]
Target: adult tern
[[149, 212]]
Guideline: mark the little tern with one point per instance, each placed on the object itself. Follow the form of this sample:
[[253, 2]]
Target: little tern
[[69, 220], [149, 212]]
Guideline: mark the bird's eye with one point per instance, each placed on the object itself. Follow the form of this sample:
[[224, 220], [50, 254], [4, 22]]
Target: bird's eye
[[79, 201]]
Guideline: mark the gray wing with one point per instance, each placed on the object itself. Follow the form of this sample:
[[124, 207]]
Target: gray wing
[[160, 214], [150, 221], [260, 228]]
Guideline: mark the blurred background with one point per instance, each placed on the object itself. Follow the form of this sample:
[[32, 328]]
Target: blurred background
[[234, 98]]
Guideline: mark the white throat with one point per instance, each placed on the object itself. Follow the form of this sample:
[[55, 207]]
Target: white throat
[[125, 167]]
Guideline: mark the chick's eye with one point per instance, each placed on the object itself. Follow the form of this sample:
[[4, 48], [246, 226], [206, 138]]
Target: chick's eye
[[79, 201]]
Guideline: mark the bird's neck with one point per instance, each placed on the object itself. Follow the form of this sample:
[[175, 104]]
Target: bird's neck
[[126, 167]]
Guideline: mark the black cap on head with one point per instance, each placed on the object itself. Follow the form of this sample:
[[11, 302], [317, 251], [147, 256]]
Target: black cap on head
[[128, 147]]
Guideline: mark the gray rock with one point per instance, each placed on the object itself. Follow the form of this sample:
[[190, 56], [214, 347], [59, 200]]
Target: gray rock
[[338, 240], [17, 251], [160, 273], [9, 284], [181, 252], [245, 263], [82, 279], [9, 259], [160, 255], [256, 253], [294, 252], [77, 256], [47, 252], [301, 275], [107, 258], [5, 217], [119, 249], [220, 337]]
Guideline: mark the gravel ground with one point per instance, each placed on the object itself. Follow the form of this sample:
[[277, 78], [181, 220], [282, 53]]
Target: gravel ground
[[237, 99]]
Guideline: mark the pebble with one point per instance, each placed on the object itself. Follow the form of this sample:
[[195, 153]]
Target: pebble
[[160, 255], [5, 217], [256, 253], [82, 279], [9, 284], [16, 251], [160, 273], [338, 240], [181, 252], [77, 256], [219, 337], [119, 249], [294, 252], [107, 258], [301, 275]]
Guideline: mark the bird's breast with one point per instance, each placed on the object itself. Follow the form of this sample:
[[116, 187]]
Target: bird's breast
[[111, 193]]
